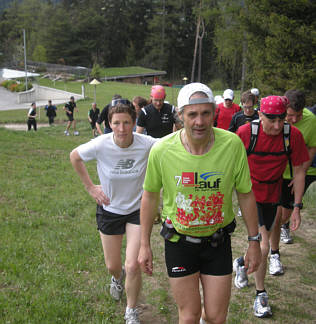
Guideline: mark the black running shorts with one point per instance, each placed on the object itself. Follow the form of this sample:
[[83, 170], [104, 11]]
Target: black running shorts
[[185, 258], [70, 117], [266, 214], [114, 224], [287, 198]]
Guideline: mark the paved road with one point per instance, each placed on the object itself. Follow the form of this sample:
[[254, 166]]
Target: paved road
[[9, 101]]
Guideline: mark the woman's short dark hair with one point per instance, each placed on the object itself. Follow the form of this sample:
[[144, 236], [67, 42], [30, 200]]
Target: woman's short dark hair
[[122, 106], [140, 101]]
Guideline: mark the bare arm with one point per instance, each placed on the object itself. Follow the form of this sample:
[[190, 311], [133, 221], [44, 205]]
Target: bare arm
[[299, 173], [97, 125], [95, 191], [248, 207], [148, 211], [311, 152], [140, 130]]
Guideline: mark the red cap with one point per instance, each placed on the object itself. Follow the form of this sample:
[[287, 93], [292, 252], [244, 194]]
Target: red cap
[[158, 92], [273, 105]]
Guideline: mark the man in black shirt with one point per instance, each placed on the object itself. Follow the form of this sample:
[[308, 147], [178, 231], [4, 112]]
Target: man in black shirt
[[103, 117], [93, 117], [158, 118], [69, 108], [248, 113], [50, 112]]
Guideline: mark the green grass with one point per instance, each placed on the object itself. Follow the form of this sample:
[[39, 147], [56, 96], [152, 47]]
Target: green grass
[[119, 71], [104, 94], [51, 266], [51, 261]]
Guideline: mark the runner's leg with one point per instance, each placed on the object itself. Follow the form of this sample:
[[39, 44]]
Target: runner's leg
[[112, 253], [264, 245], [186, 293], [216, 291], [133, 273]]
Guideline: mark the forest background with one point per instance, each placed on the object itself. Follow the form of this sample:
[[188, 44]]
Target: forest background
[[269, 44]]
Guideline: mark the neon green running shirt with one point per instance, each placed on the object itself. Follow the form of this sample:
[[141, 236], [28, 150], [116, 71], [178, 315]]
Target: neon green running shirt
[[197, 189], [307, 126]]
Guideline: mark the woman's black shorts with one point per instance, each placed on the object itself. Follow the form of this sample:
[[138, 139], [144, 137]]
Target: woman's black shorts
[[114, 224]]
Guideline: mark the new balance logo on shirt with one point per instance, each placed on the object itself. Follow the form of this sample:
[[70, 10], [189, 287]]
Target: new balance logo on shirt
[[124, 164]]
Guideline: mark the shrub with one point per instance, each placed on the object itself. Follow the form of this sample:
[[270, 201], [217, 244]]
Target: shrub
[[13, 87], [217, 84], [39, 54], [96, 71], [8, 83], [21, 87]]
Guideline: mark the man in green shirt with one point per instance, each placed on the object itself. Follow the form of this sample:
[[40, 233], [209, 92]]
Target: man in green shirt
[[198, 168], [305, 121]]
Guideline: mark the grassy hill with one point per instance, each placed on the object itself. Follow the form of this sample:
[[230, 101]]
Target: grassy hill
[[104, 94], [51, 261], [119, 71]]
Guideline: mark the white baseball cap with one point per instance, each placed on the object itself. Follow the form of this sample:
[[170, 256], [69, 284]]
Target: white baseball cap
[[255, 91], [218, 99], [188, 90], [228, 94]]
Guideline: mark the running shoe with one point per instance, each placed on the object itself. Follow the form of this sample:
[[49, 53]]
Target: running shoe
[[261, 306], [241, 278], [117, 286], [285, 235], [131, 316], [66, 133], [275, 266], [76, 133]]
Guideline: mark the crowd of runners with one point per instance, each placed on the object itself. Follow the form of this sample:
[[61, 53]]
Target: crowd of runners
[[190, 159]]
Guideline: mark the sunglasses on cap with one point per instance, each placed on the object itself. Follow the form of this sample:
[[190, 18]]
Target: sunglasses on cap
[[121, 101]]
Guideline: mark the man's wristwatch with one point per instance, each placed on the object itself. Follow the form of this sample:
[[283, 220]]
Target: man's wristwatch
[[299, 205], [255, 238]]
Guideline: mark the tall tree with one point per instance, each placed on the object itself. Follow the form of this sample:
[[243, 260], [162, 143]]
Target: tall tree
[[170, 41], [139, 13], [59, 37], [28, 15], [282, 43], [229, 40]]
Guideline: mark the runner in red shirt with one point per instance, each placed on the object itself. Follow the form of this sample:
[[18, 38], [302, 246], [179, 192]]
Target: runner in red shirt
[[226, 110], [267, 162]]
